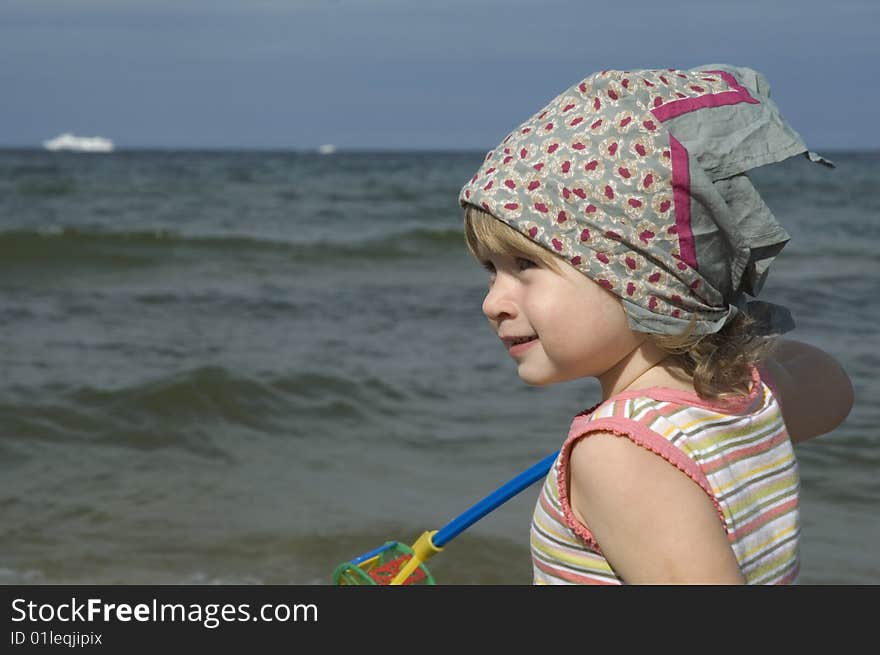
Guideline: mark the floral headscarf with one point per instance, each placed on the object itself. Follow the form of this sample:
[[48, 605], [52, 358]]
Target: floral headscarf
[[638, 179]]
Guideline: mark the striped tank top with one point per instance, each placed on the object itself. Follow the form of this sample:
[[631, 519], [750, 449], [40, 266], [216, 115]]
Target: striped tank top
[[739, 453]]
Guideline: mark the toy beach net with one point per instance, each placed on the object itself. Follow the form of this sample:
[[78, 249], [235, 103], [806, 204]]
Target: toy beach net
[[381, 566], [394, 563]]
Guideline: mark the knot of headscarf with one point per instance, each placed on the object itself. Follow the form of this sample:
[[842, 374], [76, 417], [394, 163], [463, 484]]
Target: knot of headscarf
[[638, 179]]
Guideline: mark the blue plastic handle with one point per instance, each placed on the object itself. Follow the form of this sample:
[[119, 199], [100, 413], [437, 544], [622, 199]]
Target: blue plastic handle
[[497, 498], [372, 553]]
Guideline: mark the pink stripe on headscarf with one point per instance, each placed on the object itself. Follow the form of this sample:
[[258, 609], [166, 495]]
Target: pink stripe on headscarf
[[678, 107], [681, 193], [680, 171]]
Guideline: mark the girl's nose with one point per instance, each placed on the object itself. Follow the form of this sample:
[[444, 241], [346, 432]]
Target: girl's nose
[[498, 303]]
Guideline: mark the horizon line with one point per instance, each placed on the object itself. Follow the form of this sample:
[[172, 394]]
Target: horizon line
[[266, 149], [338, 150]]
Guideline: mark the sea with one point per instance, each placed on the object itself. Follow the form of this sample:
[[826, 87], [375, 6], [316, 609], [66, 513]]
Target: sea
[[249, 367]]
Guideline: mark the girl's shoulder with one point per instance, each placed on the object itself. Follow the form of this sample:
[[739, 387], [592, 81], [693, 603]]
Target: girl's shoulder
[[679, 425], [619, 490]]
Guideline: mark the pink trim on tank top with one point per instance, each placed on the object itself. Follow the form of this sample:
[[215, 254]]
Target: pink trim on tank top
[[771, 384], [646, 438], [641, 436]]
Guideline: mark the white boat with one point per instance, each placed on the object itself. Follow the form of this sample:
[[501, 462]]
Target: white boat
[[326, 149], [68, 141]]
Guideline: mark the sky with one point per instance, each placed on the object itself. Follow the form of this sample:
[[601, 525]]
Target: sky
[[403, 74]]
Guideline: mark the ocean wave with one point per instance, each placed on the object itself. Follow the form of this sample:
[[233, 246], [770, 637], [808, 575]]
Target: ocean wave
[[196, 409], [66, 247]]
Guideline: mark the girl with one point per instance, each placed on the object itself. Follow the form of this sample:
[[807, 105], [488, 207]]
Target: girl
[[622, 235]]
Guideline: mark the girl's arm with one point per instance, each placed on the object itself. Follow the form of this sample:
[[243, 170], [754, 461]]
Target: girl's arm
[[813, 391], [654, 524]]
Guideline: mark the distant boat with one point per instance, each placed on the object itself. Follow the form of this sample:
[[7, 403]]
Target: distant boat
[[68, 141], [326, 149]]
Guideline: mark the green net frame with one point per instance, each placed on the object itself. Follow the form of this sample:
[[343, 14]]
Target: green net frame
[[382, 568]]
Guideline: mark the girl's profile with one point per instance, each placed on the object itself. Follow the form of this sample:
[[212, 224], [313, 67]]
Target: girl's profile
[[625, 242]]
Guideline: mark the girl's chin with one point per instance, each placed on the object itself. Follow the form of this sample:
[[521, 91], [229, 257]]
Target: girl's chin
[[535, 378]]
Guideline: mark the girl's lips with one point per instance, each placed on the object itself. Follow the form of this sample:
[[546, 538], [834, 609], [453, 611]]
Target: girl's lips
[[519, 348]]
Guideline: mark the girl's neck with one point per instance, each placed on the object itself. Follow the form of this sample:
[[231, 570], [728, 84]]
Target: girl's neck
[[646, 366]]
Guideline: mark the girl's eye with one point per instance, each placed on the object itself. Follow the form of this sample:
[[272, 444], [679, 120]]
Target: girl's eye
[[490, 269], [524, 263]]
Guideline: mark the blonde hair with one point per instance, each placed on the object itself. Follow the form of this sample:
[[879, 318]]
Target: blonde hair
[[484, 234], [720, 364]]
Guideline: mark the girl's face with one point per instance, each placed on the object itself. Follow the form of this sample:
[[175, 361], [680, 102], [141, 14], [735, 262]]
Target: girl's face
[[557, 326]]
